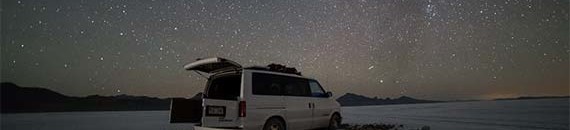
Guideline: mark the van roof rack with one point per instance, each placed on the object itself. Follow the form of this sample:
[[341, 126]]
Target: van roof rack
[[277, 68]]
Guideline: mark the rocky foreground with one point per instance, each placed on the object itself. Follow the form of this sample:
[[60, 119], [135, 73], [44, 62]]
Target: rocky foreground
[[379, 126]]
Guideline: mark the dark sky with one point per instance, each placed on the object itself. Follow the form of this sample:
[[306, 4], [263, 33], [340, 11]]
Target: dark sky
[[432, 49]]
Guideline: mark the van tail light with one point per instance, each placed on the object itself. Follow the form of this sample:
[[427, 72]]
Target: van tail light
[[241, 108]]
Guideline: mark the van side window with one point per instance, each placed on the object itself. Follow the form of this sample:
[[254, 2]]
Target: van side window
[[297, 87], [270, 84], [316, 89], [266, 84]]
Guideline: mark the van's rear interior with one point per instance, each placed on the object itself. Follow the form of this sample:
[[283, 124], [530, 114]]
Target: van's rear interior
[[225, 87]]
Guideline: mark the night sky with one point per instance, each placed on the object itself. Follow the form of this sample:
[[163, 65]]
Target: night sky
[[430, 49]]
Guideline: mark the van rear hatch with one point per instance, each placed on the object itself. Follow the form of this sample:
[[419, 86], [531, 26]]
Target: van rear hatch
[[222, 101]]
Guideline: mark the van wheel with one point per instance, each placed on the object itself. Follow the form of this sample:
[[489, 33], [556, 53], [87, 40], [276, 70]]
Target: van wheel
[[335, 121], [274, 124]]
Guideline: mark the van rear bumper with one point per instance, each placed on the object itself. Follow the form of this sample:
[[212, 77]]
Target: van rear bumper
[[209, 128]]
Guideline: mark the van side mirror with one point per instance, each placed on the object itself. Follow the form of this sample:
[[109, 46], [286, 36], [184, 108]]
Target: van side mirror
[[329, 94]]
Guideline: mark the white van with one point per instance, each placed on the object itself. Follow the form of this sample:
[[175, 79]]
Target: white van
[[259, 98]]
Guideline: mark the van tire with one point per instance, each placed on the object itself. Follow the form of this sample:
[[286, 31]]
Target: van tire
[[335, 121], [274, 124]]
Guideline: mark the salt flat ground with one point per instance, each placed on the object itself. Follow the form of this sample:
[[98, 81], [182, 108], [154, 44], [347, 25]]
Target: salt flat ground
[[537, 114], [547, 114]]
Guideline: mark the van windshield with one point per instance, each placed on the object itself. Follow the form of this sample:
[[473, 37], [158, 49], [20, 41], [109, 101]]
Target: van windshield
[[226, 87]]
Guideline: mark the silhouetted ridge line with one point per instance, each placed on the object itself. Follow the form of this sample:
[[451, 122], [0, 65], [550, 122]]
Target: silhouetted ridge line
[[16, 99], [350, 99]]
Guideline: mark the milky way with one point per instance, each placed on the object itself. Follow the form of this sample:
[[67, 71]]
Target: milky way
[[428, 49]]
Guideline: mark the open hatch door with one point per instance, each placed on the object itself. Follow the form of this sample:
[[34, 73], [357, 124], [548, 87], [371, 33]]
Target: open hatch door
[[212, 65], [183, 110]]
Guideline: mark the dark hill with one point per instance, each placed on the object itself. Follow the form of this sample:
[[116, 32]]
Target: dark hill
[[350, 99], [26, 99]]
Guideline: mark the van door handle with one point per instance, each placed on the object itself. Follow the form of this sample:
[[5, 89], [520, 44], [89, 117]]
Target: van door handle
[[311, 105]]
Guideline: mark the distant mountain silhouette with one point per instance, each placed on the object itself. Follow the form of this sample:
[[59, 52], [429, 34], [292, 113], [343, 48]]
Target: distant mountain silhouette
[[16, 99], [527, 98], [350, 99]]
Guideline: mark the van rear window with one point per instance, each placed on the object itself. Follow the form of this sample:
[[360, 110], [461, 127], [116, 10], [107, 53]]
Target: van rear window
[[226, 87], [270, 84]]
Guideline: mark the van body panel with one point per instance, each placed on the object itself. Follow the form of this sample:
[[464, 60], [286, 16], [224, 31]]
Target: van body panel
[[210, 128], [322, 110], [260, 108], [298, 112]]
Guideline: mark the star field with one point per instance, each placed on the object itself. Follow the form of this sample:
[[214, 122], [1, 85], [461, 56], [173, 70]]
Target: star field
[[432, 49]]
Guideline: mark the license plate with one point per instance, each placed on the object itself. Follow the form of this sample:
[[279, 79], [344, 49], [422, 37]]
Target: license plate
[[215, 111]]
